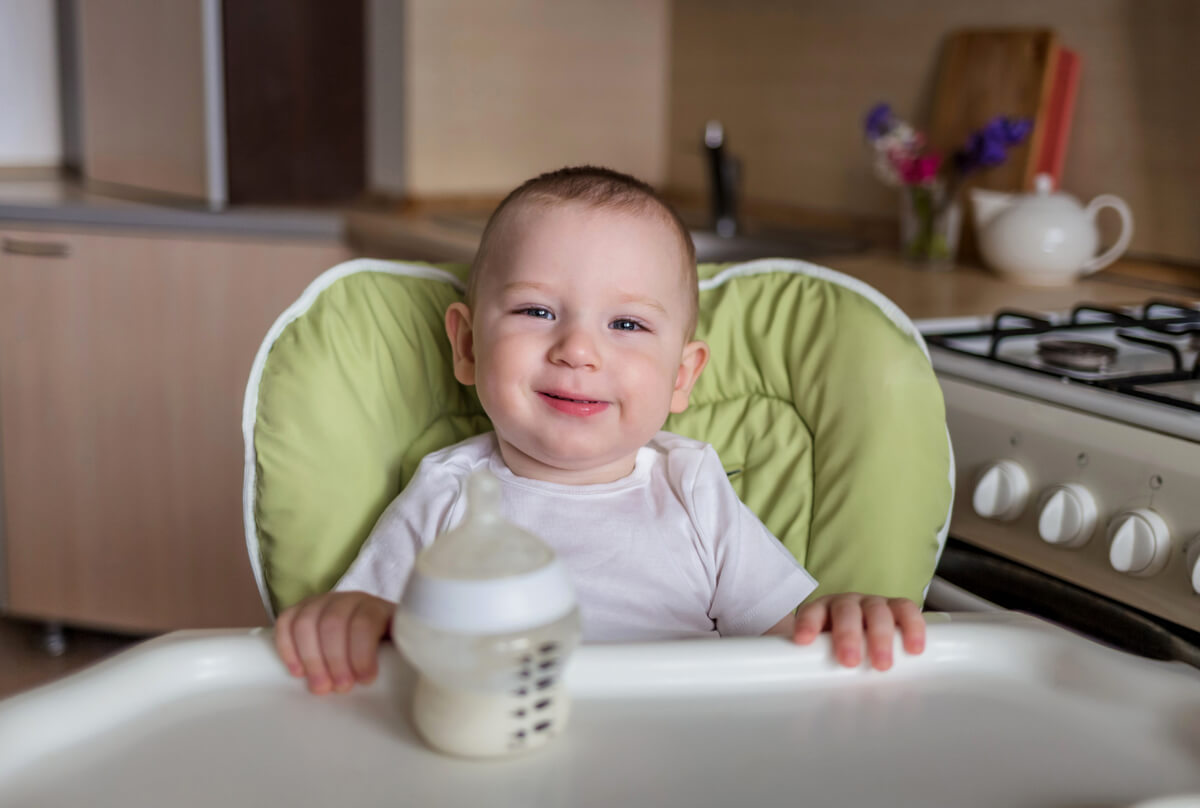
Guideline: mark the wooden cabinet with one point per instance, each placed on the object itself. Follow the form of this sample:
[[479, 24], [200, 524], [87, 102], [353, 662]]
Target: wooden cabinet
[[123, 363], [251, 101]]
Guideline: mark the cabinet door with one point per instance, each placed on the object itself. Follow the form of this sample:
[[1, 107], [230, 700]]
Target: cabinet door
[[123, 363]]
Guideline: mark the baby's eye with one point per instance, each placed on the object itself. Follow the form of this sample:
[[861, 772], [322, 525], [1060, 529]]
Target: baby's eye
[[536, 311], [625, 324]]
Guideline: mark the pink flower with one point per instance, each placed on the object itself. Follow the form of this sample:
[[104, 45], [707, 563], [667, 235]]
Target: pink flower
[[920, 170]]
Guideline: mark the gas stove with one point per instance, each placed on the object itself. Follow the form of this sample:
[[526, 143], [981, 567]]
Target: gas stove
[[1077, 444], [1140, 365]]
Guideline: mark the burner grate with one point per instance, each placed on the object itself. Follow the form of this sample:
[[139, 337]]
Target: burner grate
[[1161, 320]]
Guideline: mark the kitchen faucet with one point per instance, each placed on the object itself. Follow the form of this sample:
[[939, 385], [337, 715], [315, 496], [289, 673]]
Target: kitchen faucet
[[724, 171]]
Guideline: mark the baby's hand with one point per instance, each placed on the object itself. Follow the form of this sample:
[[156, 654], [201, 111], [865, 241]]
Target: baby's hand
[[849, 616], [333, 639]]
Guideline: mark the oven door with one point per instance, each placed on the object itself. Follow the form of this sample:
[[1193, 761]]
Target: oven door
[[971, 579]]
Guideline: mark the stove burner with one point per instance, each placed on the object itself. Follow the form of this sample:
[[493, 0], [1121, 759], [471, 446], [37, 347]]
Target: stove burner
[[1076, 354], [1158, 372]]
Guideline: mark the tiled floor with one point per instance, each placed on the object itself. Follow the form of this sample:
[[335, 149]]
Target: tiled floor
[[25, 664]]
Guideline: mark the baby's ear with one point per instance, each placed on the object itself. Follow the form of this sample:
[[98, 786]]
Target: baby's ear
[[462, 341], [695, 357]]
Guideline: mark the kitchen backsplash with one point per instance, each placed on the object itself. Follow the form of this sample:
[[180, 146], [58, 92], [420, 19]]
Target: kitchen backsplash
[[469, 97], [791, 80]]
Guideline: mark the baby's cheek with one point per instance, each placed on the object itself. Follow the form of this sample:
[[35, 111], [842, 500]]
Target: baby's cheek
[[485, 390], [502, 401]]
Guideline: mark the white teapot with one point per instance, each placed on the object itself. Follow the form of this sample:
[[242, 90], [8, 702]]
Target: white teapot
[[1044, 238]]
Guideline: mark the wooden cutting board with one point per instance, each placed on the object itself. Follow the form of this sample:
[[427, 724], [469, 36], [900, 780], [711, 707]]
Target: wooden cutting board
[[990, 72]]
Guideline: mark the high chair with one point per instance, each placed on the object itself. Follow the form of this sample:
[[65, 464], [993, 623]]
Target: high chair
[[819, 398]]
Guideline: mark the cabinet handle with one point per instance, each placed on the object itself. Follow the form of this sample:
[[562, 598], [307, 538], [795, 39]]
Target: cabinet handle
[[38, 249]]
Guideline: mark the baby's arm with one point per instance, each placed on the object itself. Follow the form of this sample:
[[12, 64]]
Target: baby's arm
[[848, 617], [333, 639]]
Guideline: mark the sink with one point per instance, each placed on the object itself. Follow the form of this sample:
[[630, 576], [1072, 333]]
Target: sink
[[714, 248]]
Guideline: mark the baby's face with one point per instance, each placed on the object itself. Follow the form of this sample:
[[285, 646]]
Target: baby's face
[[578, 346]]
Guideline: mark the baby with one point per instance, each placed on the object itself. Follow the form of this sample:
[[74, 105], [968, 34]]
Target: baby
[[577, 333]]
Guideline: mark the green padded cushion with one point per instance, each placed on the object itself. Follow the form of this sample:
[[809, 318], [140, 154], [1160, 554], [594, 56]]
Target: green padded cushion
[[826, 415]]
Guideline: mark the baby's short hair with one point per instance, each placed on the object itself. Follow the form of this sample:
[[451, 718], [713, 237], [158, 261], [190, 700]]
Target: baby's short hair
[[596, 187]]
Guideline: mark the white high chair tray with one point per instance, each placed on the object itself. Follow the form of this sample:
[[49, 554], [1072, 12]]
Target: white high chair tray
[[1000, 710]]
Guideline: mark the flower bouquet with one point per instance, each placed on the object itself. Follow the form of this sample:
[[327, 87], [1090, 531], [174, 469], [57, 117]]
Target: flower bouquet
[[931, 213]]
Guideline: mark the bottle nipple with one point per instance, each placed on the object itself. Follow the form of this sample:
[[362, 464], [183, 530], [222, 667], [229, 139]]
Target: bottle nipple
[[483, 497], [489, 569], [485, 544]]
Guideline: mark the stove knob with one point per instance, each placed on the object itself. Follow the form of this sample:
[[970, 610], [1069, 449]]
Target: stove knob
[[1002, 491], [1193, 563], [1068, 516], [1140, 542]]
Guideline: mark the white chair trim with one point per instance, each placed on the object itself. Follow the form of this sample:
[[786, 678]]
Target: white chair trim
[[250, 403]]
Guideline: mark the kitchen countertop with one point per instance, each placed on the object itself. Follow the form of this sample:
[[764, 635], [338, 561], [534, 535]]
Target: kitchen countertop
[[962, 291], [52, 201], [969, 290]]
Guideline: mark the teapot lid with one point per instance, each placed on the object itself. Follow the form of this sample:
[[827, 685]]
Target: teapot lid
[[1043, 184]]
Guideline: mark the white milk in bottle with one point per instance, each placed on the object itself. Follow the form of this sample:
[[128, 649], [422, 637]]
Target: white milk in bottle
[[488, 619]]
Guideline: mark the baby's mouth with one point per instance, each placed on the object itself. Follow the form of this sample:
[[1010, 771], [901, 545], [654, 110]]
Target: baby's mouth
[[573, 400]]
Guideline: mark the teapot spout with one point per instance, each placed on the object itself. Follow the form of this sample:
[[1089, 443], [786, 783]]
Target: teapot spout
[[989, 204]]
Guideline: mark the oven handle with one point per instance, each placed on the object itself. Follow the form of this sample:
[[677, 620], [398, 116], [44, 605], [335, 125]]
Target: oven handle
[[944, 596]]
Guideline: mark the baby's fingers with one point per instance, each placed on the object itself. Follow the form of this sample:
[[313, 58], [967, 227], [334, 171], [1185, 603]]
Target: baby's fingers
[[846, 630], [285, 645], [333, 631], [368, 624], [880, 630], [911, 622], [810, 620], [306, 635]]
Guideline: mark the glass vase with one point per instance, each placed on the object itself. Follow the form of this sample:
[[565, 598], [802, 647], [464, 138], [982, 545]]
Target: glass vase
[[930, 224]]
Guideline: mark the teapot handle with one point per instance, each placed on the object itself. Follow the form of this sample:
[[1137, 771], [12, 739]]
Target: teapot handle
[[1114, 252]]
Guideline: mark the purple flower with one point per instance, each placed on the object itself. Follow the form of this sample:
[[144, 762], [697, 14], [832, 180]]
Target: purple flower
[[879, 121], [1015, 129], [989, 146]]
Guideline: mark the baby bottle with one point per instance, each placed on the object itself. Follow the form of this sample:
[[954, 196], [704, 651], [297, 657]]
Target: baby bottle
[[488, 619]]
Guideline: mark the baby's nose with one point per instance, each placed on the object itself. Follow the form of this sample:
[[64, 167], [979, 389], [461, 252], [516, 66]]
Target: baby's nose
[[575, 348]]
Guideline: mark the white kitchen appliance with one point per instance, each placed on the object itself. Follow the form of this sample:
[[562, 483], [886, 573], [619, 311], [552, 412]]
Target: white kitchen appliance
[[1077, 441]]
